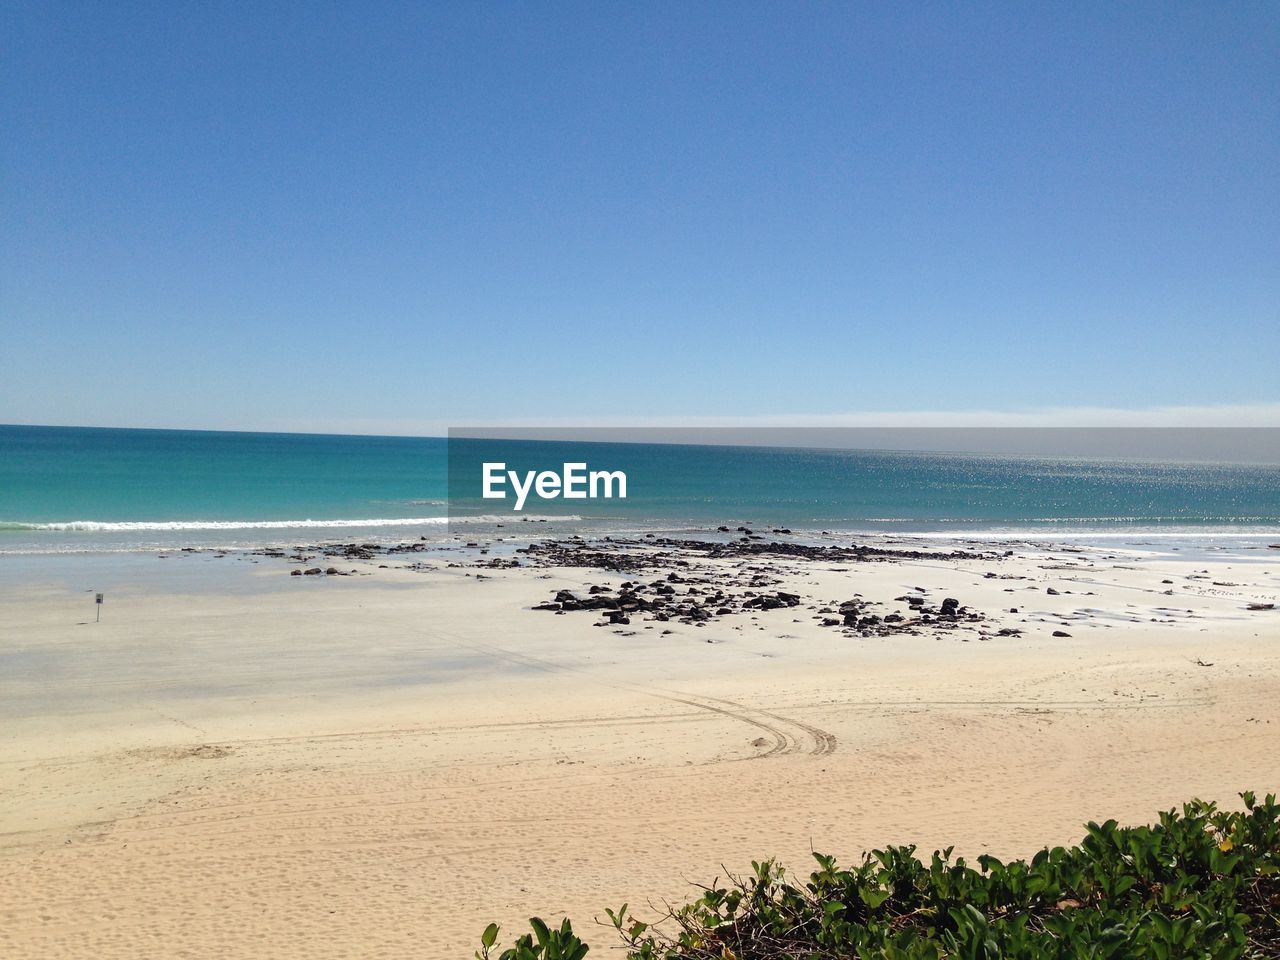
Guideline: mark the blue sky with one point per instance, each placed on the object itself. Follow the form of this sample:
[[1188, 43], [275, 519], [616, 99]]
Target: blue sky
[[321, 216]]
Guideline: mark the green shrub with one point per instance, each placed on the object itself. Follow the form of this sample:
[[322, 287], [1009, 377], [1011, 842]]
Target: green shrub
[[1202, 883]]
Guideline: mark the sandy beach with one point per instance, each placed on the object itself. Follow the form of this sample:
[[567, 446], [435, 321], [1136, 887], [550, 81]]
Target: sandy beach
[[468, 463], [239, 762]]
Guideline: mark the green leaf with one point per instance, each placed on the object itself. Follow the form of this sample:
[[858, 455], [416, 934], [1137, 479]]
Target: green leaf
[[540, 930]]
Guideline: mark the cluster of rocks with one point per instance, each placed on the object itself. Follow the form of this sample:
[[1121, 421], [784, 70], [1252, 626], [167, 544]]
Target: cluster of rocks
[[628, 556], [672, 598], [340, 551], [701, 580], [616, 557], [343, 551], [949, 611], [493, 563], [855, 553], [857, 616], [316, 571], [622, 556], [707, 592], [663, 600], [696, 597]]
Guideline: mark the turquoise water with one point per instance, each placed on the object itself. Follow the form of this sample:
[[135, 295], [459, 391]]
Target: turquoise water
[[61, 474], [87, 488], [75, 488]]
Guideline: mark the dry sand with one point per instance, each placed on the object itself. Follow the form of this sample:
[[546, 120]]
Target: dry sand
[[319, 767]]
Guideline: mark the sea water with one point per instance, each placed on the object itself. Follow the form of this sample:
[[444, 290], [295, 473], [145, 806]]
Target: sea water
[[70, 489]]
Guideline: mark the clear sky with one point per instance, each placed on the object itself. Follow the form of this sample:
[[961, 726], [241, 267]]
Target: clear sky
[[340, 216]]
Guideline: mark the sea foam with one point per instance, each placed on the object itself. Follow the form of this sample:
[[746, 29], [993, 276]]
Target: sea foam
[[115, 526]]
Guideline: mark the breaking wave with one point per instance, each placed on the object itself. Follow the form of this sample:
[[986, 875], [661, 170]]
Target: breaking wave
[[117, 526]]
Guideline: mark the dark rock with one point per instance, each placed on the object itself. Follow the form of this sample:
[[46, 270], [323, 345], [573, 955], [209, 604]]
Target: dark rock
[[778, 601]]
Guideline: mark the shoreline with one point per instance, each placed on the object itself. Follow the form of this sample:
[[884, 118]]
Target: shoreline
[[442, 532], [418, 750]]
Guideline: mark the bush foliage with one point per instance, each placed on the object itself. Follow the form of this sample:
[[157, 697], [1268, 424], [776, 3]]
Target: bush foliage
[[1200, 883]]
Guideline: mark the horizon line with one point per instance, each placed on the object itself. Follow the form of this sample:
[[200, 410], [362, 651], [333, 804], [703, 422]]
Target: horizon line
[[1225, 416]]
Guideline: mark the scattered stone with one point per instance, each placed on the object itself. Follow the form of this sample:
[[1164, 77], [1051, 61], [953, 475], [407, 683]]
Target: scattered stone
[[775, 602]]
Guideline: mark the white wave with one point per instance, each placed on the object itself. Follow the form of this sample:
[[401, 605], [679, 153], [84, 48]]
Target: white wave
[[125, 526], [1048, 535], [112, 526]]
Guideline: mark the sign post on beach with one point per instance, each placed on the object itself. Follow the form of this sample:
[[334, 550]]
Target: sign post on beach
[[98, 602]]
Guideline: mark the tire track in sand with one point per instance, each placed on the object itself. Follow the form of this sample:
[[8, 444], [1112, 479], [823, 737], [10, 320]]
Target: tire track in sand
[[788, 735]]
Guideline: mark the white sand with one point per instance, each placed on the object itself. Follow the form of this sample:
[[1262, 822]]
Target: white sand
[[380, 765]]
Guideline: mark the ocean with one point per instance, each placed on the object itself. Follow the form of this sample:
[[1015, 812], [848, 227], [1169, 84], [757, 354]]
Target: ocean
[[65, 489]]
